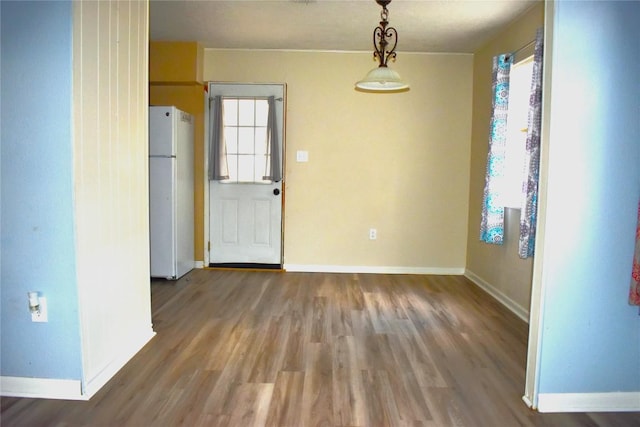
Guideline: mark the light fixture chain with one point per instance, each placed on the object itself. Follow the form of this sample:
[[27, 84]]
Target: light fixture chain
[[384, 14]]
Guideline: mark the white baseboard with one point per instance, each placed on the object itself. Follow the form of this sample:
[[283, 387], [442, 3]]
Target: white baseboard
[[135, 345], [589, 402], [315, 268], [199, 264], [516, 308], [45, 388], [528, 402]]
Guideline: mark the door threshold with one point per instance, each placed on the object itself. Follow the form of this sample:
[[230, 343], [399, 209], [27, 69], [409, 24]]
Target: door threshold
[[245, 266]]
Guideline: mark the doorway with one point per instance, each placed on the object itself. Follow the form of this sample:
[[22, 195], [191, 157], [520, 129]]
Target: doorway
[[246, 203]]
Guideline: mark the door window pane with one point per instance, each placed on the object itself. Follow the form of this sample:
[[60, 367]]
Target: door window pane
[[262, 113], [261, 141], [231, 139], [246, 140], [245, 133], [245, 168], [230, 111], [246, 112], [232, 161]]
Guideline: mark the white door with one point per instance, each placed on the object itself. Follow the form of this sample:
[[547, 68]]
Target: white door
[[245, 211]]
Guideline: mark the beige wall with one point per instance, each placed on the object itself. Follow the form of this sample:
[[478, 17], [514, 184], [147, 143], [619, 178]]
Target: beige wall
[[395, 162], [110, 114], [497, 267]]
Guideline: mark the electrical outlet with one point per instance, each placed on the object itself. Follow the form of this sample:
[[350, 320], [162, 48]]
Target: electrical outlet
[[41, 315], [373, 234]]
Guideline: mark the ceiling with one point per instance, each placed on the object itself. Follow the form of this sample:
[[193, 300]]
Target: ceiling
[[334, 25]]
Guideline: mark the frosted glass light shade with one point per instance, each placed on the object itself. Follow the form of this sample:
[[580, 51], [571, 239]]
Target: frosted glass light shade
[[382, 79]]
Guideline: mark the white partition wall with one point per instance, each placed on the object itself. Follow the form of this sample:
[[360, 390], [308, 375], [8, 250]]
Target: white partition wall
[[111, 182]]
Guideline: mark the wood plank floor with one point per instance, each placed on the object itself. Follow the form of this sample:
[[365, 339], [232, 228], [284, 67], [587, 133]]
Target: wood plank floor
[[241, 348]]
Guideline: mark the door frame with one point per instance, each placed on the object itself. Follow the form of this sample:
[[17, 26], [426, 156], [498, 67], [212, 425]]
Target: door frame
[[207, 213], [536, 307]]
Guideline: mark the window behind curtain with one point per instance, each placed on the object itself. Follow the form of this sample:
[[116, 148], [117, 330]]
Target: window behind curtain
[[519, 92], [245, 136]]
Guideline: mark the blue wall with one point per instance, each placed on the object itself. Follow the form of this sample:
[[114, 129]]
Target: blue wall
[[591, 336], [37, 245]]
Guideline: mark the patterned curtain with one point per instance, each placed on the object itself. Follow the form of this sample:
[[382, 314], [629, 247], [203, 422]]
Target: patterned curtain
[[492, 223], [529, 203], [634, 293], [218, 166], [273, 168]]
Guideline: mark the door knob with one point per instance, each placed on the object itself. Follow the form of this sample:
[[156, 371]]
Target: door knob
[[276, 192]]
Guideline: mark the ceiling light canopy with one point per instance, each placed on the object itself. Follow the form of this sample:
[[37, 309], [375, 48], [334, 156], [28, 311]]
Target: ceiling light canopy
[[383, 78]]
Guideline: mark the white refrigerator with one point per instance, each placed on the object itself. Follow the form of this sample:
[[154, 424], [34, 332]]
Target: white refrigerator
[[170, 192]]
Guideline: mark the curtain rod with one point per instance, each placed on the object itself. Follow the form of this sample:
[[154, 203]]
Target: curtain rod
[[245, 97], [522, 48]]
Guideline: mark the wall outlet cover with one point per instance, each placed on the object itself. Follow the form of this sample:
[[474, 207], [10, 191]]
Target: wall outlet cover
[[41, 315]]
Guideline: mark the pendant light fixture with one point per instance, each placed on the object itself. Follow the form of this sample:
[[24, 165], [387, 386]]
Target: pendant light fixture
[[383, 78]]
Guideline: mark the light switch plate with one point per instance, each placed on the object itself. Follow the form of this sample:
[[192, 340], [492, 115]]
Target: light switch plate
[[302, 156]]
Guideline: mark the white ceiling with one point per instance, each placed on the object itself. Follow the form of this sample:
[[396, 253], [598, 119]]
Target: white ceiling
[[422, 25]]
